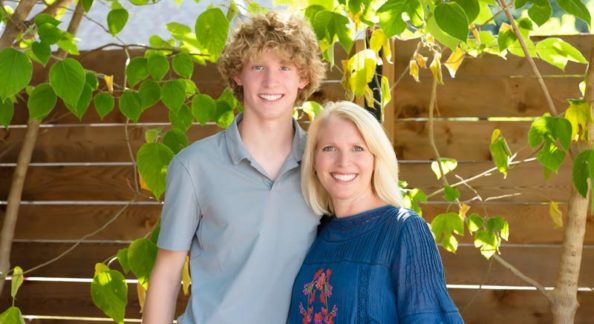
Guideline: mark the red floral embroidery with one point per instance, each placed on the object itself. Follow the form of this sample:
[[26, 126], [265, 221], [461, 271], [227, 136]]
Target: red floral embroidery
[[320, 284]]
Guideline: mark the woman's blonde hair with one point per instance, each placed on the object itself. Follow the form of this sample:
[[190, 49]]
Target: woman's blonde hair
[[385, 167], [289, 34]]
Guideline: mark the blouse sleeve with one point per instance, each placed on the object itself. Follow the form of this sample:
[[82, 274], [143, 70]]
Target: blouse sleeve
[[418, 278]]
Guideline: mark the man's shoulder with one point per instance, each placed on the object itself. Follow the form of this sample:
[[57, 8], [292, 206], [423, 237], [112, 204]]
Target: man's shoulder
[[202, 149]]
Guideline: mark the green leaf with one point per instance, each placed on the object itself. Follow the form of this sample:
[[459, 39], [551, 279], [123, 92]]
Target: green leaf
[[68, 79], [447, 165], [122, 256], [475, 222], [223, 114], [141, 259], [579, 115], [181, 119], [116, 20], [87, 4], [540, 12], [550, 129], [500, 152], [44, 18], [49, 33], [109, 292], [104, 103], [451, 193], [557, 52], [152, 135], [6, 112], [158, 66], [330, 25], [444, 226], [390, 15], [312, 109], [203, 108], [451, 19], [361, 69], [583, 170], [551, 157], [12, 315], [173, 94], [211, 30], [413, 199], [150, 93], [576, 8], [15, 72], [183, 65], [91, 80], [139, 2], [83, 102], [130, 105], [176, 140], [137, 70], [471, 8], [41, 101], [42, 52], [68, 44], [152, 160], [441, 36], [17, 281], [506, 39]]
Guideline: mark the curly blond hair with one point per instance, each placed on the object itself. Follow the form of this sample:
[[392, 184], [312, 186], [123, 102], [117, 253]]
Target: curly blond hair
[[291, 35]]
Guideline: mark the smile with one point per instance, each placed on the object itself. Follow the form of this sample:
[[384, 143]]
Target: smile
[[270, 97], [343, 176]]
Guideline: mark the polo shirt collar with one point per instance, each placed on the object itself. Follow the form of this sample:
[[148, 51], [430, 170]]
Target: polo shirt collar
[[237, 150]]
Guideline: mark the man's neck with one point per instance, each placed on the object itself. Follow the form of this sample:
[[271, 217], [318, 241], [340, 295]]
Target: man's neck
[[269, 143]]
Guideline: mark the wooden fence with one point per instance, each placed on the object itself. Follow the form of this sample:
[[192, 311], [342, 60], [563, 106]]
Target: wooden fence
[[82, 175]]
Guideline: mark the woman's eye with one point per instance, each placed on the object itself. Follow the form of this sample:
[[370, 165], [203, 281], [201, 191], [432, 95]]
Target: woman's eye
[[358, 148], [328, 148]]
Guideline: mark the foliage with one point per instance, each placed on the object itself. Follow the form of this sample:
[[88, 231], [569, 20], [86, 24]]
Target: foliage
[[447, 31]]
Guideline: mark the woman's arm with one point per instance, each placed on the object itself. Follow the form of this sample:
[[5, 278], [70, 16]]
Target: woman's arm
[[164, 287]]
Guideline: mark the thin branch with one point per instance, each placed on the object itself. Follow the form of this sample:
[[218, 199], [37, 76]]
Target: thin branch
[[520, 38], [522, 276], [405, 72], [16, 23], [131, 153], [82, 239], [52, 9], [477, 176]]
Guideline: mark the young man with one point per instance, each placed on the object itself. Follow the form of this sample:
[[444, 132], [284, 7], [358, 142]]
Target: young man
[[233, 199]]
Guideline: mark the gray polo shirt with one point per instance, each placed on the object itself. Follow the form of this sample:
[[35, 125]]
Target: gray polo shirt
[[246, 233]]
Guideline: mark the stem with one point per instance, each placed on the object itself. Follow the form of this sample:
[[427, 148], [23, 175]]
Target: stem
[[522, 276], [541, 82], [14, 198], [20, 173], [16, 23], [565, 295]]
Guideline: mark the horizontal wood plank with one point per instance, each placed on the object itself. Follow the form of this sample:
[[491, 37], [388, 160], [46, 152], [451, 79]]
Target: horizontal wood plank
[[467, 266], [524, 183], [476, 306], [529, 223]]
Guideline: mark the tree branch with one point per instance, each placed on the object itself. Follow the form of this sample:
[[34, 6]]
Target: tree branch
[[541, 82], [15, 24]]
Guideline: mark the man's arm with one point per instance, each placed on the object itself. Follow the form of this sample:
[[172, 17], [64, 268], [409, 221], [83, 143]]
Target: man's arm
[[164, 287]]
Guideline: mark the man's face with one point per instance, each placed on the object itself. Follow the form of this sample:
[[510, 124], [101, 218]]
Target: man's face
[[270, 86]]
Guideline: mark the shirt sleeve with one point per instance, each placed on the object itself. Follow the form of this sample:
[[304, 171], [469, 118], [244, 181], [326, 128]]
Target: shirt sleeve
[[417, 273], [181, 212]]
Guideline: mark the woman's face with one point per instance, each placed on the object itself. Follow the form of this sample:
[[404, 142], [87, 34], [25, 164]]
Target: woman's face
[[343, 163]]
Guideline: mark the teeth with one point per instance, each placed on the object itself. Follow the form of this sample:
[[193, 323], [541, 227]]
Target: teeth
[[344, 177], [271, 97]]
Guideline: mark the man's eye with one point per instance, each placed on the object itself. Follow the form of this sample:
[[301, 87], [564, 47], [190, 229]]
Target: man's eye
[[285, 68], [258, 67]]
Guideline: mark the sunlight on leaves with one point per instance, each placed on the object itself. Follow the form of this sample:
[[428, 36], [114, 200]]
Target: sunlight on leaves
[[555, 214], [579, 115], [447, 165]]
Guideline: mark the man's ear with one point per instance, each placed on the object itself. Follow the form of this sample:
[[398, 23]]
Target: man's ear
[[303, 83], [237, 80]]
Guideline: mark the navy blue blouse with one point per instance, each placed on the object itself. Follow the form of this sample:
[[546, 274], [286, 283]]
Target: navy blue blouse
[[379, 266]]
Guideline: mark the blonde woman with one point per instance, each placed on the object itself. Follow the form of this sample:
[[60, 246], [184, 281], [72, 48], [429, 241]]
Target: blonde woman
[[373, 261]]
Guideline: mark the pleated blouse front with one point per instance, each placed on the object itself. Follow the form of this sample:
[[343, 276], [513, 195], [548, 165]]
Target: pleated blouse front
[[380, 266]]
